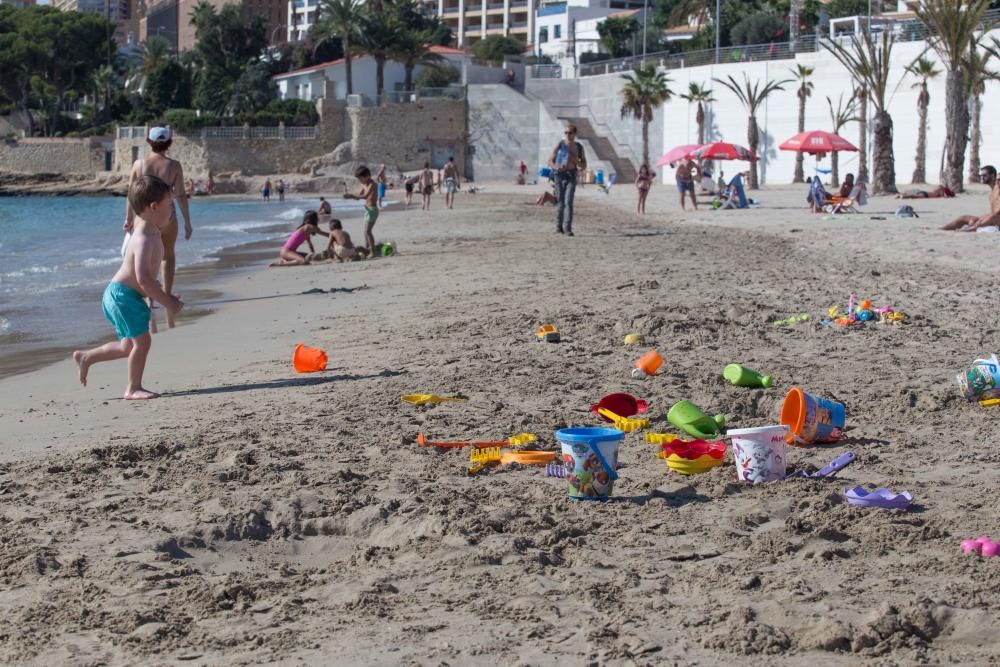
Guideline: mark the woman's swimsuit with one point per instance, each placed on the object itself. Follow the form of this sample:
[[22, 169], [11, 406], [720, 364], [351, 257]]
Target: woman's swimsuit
[[297, 238], [643, 183]]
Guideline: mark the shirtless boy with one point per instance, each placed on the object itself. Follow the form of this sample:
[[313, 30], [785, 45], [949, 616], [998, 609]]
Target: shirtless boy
[[450, 182], [970, 223], [368, 193], [425, 182], [124, 299], [159, 165], [341, 247]]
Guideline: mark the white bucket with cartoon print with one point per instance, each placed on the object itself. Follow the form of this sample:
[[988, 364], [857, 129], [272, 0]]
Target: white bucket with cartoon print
[[759, 453]]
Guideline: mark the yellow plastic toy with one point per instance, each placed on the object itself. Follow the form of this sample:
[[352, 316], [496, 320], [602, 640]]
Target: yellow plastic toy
[[486, 456], [514, 440], [692, 466], [424, 399], [626, 424], [633, 339], [660, 439]]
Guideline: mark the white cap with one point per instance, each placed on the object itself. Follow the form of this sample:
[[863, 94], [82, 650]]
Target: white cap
[[159, 134]]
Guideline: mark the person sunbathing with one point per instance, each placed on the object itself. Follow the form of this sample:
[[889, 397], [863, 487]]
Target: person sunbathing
[[940, 192], [970, 223]]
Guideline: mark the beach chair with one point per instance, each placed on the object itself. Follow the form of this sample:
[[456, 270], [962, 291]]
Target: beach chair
[[850, 204], [735, 196], [606, 188]]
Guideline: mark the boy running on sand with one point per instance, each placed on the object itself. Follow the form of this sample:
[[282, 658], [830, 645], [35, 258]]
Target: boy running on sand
[[369, 193], [123, 302]]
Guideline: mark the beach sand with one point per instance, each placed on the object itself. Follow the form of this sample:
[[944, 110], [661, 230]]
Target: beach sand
[[253, 515]]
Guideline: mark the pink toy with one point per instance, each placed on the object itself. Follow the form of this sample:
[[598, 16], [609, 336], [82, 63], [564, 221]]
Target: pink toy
[[981, 545]]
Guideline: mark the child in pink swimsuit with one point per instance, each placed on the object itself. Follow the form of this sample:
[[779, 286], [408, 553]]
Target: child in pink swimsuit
[[290, 255]]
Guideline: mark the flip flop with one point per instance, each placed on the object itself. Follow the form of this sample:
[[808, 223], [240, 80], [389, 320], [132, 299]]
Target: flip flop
[[880, 497]]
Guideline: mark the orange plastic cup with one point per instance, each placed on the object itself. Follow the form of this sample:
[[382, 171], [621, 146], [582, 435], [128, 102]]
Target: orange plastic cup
[[649, 362], [308, 359]]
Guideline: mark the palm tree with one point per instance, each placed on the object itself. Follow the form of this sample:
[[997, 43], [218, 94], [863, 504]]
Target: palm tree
[[340, 18], [201, 12], [802, 74], [154, 52], [752, 96], [698, 94], [418, 35], [645, 90], [841, 116], [923, 69], [868, 60], [104, 80], [951, 26], [861, 92], [378, 35], [977, 75]]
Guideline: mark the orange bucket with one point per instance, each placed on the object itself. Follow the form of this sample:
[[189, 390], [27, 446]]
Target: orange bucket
[[649, 362], [811, 418], [308, 359]]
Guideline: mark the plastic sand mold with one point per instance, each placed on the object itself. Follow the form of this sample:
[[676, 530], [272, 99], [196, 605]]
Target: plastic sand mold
[[424, 399], [625, 405], [981, 545], [624, 424], [547, 333], [661, 438], [528, 458], [514, 440], [695, 457], [880, 497]]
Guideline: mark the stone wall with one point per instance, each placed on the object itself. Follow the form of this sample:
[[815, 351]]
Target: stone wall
[[52, 156], [503, 130], [407, 135]]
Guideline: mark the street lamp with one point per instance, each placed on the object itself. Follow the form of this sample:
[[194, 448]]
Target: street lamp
[[718, 27]]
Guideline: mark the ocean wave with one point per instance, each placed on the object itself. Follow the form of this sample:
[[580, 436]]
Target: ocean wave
[[4, 324], [237, 226], [91, 262], [291, 214], [29, 270]]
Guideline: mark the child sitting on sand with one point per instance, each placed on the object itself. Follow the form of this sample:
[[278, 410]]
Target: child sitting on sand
[[340, 247], [290, 255], [150, 199]]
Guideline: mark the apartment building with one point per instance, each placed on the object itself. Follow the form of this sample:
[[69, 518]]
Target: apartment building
[[120, 12], [472, 20], [302, 15], [171, 19]]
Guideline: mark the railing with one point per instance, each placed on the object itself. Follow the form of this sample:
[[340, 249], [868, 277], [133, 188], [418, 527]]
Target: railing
[[546, 71], [902, 31], [233, 132], [622, 148], [399, 97]]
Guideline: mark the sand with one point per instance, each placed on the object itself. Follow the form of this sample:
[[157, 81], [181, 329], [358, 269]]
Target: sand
[[253, 515]]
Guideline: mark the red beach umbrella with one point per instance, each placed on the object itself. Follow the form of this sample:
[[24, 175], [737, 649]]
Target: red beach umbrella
[[677, 153], [817, 141], [720, 150]]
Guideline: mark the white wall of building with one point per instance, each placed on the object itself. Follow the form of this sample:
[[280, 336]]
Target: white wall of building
[[555, 26]]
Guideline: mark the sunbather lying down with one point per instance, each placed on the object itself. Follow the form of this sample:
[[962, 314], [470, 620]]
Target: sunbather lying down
[[940, 192], [970, 223]]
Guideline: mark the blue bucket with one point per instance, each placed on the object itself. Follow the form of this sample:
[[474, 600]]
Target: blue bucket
[[599, 177], [591, 458]]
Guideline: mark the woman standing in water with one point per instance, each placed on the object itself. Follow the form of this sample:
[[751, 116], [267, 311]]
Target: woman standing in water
[[158, 164]]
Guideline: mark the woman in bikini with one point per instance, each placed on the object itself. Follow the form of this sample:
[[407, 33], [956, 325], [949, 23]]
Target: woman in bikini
[[159, 165], [643, 182]]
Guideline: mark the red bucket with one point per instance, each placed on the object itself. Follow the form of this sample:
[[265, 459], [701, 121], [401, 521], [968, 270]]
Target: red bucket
[[623, 405]]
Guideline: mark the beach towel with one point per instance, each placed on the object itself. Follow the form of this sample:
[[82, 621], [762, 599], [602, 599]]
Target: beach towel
[[817, 194]]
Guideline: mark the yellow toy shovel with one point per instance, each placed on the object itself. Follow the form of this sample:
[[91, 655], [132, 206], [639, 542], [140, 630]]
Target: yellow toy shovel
[[424, 399], [626, 424]]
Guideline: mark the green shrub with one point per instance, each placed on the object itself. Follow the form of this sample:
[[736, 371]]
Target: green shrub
[[183, 120], [437, 77]]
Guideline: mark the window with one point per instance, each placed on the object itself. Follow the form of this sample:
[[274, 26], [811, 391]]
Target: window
[[558, 31], [543, 34]]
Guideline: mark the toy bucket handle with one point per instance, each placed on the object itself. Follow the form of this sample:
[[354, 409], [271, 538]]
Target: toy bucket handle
[[612, 474]]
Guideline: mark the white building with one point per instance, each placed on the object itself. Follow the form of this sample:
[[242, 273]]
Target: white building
[[302, 15], [472, 20], [569, 29], [311, 83]]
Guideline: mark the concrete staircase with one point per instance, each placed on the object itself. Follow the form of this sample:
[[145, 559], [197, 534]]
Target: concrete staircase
[[603, 149]]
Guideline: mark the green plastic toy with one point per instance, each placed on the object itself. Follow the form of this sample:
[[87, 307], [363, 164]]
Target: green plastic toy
[[745, 377], [689, 418], [795, 319]]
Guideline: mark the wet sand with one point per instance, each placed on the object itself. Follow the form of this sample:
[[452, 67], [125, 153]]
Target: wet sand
[[255, 515]]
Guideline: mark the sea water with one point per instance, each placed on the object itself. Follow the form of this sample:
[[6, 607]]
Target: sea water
[[58, 253]]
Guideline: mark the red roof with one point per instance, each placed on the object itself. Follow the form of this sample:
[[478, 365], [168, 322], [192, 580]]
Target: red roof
[[440, 50]]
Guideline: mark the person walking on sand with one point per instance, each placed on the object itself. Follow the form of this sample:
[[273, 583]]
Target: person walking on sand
[[970, 223], [685, 182], [381, 182], [425, 183], [643, 182], [124, 300], [567, 160], [170, 171], [450, 182]]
